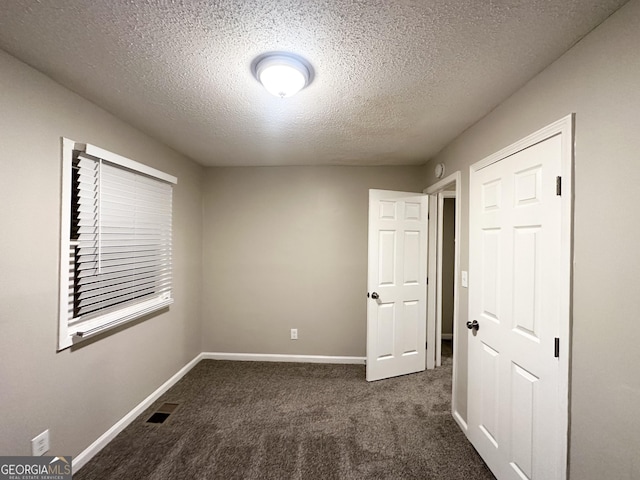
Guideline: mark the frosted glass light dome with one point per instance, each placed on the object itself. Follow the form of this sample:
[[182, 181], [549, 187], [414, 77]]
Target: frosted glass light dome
[[282, 74]]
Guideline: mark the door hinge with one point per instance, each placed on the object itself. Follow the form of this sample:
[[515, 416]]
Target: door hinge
[[427, 280], [558, 185], [556, 348]]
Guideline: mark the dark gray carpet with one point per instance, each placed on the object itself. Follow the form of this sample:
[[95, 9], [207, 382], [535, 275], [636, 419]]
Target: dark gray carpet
[[249, 420]]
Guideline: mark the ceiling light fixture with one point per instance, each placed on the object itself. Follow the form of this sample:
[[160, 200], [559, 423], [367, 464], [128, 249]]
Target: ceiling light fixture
[[282, 74]]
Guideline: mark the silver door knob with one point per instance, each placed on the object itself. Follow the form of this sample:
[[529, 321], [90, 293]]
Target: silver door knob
[[375, 296]]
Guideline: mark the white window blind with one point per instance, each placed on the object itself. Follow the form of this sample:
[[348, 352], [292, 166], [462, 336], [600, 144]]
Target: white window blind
[[119, 246]]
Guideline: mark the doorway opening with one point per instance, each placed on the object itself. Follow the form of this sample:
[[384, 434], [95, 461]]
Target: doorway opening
[[444, 277], [444, 320]]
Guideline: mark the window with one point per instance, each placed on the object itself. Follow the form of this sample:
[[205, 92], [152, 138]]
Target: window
[[116, 241]]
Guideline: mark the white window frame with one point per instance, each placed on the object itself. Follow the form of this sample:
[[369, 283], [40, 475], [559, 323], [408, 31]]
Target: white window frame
[[70, 335]]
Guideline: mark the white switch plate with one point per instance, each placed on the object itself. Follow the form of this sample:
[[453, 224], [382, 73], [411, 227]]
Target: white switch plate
[[294, 334], [465, 279], [40, 444]]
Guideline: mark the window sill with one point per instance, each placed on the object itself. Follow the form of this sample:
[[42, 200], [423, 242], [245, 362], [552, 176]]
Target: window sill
[[104, 323]]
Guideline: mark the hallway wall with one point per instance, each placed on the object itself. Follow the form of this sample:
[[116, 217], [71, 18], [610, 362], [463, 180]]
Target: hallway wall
[[598, 80]]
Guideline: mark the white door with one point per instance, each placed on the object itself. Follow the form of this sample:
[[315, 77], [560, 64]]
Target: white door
[[517, 387], [396, 307]]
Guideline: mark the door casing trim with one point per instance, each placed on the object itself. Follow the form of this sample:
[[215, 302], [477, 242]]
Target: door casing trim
[[433, 191]]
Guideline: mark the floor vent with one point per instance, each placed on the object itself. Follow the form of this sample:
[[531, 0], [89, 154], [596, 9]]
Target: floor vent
[[161, 415]]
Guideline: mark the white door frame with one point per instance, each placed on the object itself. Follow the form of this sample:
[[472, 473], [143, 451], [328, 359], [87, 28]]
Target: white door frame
[[434, 304], [565, 128]]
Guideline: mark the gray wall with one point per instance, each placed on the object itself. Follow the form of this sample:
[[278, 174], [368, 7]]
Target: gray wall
[[77, 394], [286, 247], [448, 262], [599, 80]]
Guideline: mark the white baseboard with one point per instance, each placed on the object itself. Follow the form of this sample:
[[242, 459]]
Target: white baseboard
[[447, 336], [93, 449], [270, 357]]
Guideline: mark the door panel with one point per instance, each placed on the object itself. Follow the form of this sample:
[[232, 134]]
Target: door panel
[[396, 320], [489, 374], [411, 270], [387, 258], [526, 281], [386, 327], [524, 398], [514, 412], [410, 330], [490, 273]]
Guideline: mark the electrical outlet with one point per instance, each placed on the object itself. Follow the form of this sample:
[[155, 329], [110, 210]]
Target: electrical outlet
[[294, 334], [40, 444]]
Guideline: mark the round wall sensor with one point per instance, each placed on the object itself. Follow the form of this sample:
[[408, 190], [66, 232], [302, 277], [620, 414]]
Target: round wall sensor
[[439, 170]]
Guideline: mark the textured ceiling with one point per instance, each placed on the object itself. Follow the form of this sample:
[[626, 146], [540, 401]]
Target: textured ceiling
[[395, 80]]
